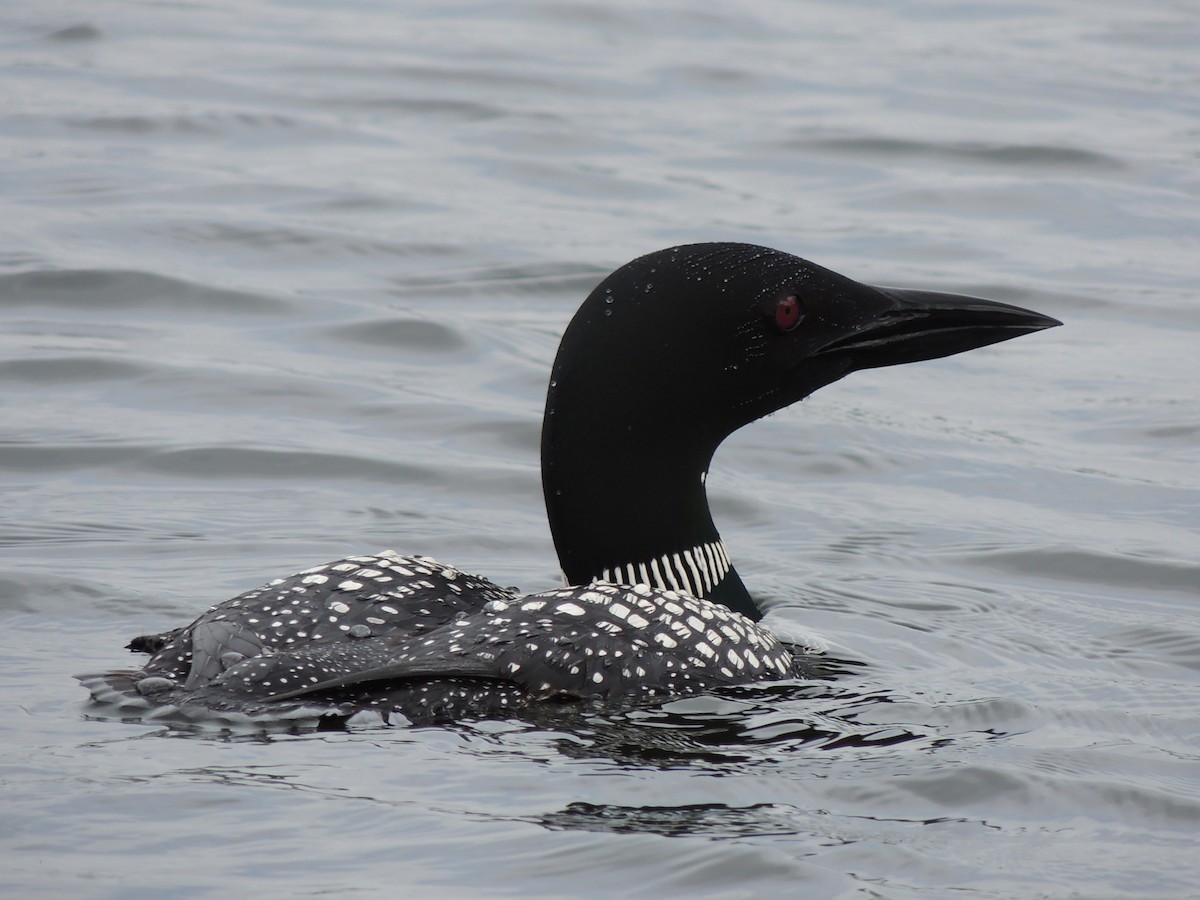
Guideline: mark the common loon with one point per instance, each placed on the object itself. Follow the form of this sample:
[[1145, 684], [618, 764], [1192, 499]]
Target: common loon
[[668, 356]]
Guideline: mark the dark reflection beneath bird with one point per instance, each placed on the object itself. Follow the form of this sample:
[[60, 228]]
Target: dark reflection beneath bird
[[667, 357]]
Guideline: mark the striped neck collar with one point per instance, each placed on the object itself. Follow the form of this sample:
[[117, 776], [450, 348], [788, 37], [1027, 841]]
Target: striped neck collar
[[696, 571]]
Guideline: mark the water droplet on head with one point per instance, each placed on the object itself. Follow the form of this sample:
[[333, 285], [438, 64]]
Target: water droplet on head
[[608, 312]]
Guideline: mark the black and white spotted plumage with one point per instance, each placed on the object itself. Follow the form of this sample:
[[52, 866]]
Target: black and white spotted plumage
[[342, 604], [667, 357], [409, 635]]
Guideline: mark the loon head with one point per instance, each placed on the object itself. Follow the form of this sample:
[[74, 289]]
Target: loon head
[[672, 353]]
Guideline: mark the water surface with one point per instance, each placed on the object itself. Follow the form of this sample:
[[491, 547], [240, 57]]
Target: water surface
[[281, 282]]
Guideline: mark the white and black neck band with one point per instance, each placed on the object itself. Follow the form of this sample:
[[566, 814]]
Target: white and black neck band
[[696, 571]]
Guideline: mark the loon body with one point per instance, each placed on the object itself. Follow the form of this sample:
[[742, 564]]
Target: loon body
[[668, 356]]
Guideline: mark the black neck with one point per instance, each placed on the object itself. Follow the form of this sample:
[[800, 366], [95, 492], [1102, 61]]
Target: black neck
[[616, 498]]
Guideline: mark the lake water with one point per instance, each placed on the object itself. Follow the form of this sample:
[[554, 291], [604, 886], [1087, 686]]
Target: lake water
[[281, 282]]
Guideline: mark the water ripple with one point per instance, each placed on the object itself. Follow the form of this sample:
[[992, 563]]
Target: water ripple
[[97, 289], [1024, 155]]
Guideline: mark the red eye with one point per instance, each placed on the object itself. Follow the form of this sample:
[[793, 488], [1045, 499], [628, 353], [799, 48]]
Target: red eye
[[787, 313]]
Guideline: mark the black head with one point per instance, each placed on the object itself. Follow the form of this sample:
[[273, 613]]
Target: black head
[[704, 338], [676, 350]]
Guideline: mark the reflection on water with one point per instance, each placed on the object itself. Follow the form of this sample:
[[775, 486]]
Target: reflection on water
[[708, 820]]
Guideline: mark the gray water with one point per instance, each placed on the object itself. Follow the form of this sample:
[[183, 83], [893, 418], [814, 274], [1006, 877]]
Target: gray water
[[281, 282]]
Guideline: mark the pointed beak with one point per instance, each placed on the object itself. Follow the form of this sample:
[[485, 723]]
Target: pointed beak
[[903, 326]]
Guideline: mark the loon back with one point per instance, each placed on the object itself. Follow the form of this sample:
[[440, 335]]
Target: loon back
[[665, 359]]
